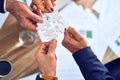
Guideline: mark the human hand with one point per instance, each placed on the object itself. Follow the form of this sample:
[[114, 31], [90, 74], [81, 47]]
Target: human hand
[[73, 40], [46, 58], [44, 6], [22, 13]]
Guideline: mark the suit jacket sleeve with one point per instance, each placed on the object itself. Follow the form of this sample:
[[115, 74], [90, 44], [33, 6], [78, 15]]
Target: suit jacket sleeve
[[2, 6], [90, 66], [39, 78]]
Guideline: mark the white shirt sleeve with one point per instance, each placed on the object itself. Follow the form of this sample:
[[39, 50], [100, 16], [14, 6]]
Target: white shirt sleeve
[[20, 0], [5, 5]]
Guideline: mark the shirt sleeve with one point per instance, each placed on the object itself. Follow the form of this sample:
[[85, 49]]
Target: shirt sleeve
[[90, 66], [5, 5], [2, 6]]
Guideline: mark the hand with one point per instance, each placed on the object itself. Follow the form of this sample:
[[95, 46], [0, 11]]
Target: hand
[[22, 13], [46, 58], [73, 40], [44, 6]]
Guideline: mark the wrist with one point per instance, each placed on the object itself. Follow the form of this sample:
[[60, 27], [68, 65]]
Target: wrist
[[9, 4], [49, 73], [47, 77]]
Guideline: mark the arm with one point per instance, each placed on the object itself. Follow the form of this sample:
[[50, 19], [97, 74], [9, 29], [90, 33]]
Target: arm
[[46, 59], [23, 14], [91, 67]]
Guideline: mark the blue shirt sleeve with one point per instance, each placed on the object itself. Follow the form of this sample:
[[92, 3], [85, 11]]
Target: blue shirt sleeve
[[2, 6], [90, 66]]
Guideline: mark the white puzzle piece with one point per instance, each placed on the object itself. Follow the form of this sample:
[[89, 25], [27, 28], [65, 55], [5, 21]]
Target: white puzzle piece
[[52, 27]]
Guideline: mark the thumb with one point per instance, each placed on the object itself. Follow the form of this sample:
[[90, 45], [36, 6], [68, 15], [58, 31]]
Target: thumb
[[76, 35], [52, 46], [35, 17]]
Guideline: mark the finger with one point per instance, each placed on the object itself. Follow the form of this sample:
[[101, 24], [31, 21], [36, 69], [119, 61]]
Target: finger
[[76, 35], [66, 34], [53, 2], [49, 5], [44, 46], [40, 4], [45, 10], [33, 6], [28, 24], [52, 46], [68, 39], [42, 50], [35, 17], [36, 10]]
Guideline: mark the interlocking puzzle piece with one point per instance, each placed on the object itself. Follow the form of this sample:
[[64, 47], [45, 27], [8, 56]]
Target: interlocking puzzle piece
[[52, 26]]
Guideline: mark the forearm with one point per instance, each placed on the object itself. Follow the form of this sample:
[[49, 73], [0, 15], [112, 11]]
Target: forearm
[[91, 67]]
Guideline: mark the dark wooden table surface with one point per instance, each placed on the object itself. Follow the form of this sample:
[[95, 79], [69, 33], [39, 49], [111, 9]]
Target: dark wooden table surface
[[22, 58]]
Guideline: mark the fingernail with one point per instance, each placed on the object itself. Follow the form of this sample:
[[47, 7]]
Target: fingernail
[[53, 40], [65, 29], [52, 9]]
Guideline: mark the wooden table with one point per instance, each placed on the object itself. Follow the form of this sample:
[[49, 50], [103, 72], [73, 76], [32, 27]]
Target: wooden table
[[23, 58]]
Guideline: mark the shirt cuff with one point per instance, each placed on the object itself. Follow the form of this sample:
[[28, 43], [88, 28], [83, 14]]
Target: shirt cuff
[[21, 0], [5, 6]]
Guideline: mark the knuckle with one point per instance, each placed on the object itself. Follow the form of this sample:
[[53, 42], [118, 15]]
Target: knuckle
[[71, 28], [36, 55], [64, 42], [51, 56]]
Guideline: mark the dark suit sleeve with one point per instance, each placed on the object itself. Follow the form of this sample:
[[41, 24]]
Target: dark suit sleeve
[[2, 6], [90, 66], [38, 78]]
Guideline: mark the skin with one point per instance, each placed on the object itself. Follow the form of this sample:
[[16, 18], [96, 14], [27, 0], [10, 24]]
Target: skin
[[46, 58], [73, 40], [22, 13], [25, 16], [29, 19], [46, 6]]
